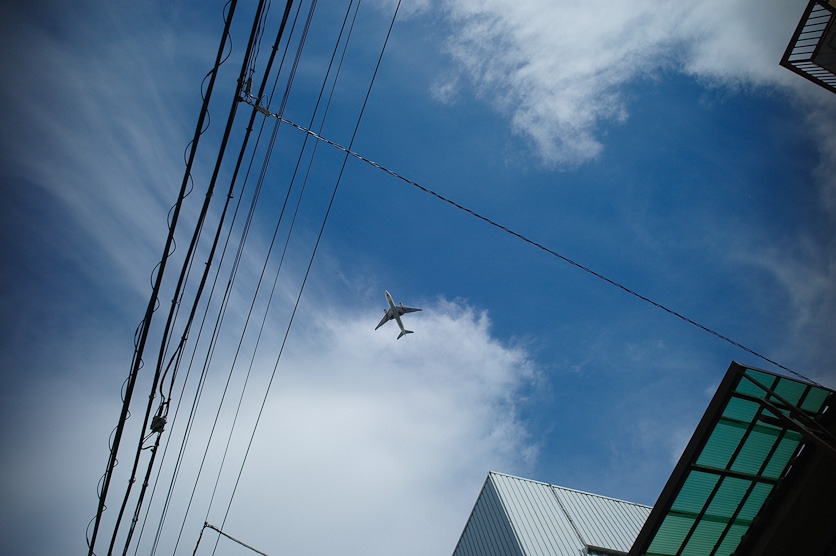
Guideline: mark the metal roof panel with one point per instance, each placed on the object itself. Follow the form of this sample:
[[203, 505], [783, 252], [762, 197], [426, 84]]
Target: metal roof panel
[[551, 520]]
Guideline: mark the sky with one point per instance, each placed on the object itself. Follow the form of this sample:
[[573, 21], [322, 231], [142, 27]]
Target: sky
[[658, 144]]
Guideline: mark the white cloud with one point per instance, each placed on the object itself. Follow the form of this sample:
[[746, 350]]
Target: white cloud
[[557, 70], [59, 427], [805, 273], [368, 444]]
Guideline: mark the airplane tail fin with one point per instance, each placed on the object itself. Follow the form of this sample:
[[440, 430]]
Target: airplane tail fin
[[404, 332]]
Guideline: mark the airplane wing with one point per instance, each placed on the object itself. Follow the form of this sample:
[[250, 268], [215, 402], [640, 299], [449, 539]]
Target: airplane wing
[[408, 309], [386, 318]]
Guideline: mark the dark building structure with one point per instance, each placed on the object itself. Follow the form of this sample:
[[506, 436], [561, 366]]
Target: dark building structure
[[811, 52], [758, 477]]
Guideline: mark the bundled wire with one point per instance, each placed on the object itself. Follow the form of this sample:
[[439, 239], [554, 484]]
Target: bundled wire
[[307, 271], [144, 326]]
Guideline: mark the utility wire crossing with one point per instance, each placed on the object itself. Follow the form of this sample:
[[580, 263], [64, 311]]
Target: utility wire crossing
[[207, 525], [540, 246]]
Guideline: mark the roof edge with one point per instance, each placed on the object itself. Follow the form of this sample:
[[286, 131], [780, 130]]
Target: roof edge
[[568, 489]]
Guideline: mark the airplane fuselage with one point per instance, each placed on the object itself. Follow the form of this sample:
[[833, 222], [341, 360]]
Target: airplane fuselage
[[394, 312]]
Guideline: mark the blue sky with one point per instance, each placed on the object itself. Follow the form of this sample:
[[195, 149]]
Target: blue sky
[[659, 144]]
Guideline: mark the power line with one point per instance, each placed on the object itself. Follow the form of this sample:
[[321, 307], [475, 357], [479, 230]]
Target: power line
[[536, 244], [279, 35], [187, 263], [281, 216], [243, 239], [137, 364], [310, 262], [241, 96], [207, 525]]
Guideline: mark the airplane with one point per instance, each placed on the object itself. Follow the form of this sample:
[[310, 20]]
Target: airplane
[[395, 312]]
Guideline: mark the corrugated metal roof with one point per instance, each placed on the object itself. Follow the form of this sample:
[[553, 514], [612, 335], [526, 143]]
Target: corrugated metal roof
[[488, 530], [541, 527], [547, 520], [601, 521]]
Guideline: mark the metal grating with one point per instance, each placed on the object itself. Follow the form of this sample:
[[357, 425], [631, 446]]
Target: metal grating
[[746, 442], [811, 52]]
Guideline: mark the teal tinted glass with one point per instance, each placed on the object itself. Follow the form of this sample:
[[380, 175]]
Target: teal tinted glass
[[704, 538], [740, 409], [748, 387], [745, 451], [670, 535], [814, 400], [727, 499], [721, 445], [694, 493], [755, 450], [790, 390]]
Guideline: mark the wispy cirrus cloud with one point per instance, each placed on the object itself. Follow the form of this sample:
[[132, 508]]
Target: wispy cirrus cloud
[[91, 117], [806, 273]]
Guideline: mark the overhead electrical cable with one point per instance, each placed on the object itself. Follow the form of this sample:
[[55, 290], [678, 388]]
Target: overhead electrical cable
[[241, 244], [301, 44], [186, 265], [287, 240], [208, 525], [153, 301], [293, 71], [177, 357], [202, 284], [540, 246], [310, 264]]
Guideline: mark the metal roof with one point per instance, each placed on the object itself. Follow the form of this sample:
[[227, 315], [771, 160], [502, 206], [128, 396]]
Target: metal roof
[[751, 433], [603, 522], [521, 517], [488, 530]]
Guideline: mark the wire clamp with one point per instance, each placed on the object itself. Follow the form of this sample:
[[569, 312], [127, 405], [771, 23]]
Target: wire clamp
[[158, 423]]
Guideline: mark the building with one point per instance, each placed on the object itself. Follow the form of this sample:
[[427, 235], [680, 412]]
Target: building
[[520, 517], [758, 477], [811, 52]]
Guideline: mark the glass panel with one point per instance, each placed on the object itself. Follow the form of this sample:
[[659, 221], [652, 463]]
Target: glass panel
[[704, 538], [814, 400], [670, 535], [754, 502], [741, 409], [721, 445], [749, 387], [734, 495], [786, 449], [694, 493], [728, 498], [790, 390], [754, 452], [731, 540]]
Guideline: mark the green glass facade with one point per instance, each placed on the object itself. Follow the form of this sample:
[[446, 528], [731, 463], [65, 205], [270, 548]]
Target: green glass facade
[[747, 441]]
